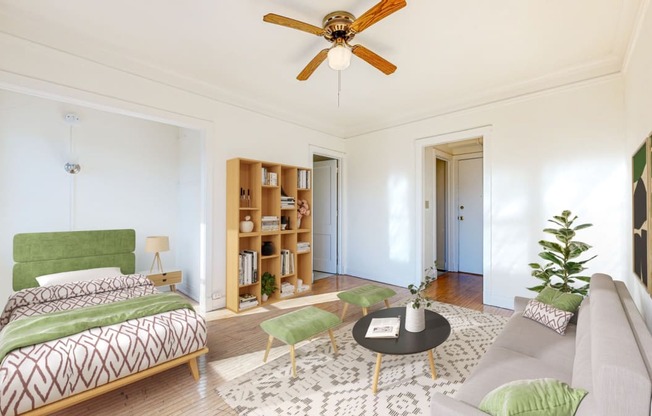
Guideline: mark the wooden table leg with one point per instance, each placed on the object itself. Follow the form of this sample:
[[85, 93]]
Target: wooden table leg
[[330, 333], [294, 364], [387, 303], [269, 345], [433, 371], [364, 311], [379, 359]]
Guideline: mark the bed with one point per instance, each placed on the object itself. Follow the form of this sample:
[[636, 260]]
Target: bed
[[68, 342]]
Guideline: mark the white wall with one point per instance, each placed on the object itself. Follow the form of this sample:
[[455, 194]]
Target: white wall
[[129, 175], [561, 149], [228, 131], [638, 122]]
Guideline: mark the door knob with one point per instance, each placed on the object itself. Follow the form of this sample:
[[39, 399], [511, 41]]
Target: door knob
[[461, 218]]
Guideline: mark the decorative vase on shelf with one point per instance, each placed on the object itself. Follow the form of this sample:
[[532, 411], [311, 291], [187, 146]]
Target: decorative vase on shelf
[[267, 249], [298, 223], [247, 225], [415, 318]]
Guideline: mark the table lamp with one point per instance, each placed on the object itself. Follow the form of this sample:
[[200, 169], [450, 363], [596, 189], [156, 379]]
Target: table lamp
[[157, 244]]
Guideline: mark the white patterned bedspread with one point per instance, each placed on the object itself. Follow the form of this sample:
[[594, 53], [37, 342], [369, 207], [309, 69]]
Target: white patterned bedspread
[[44, 373]]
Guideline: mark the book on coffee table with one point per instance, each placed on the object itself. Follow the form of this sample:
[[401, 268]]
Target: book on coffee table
[[384, 328]]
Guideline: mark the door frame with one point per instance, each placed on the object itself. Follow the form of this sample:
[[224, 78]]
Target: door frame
[[341, 160], [424, 162]]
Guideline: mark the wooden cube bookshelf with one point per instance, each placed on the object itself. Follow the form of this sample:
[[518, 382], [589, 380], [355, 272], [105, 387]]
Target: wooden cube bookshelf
[[255, 189]]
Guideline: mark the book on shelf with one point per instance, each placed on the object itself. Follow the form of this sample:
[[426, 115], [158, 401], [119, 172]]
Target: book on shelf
[[287, 262], [270, 223], [303, 246], [247, 300], [384, 328], [248, 267], [269, 178], [303, 179]]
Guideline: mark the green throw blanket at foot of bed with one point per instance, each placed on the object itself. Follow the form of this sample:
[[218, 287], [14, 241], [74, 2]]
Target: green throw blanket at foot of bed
[[43, 328]]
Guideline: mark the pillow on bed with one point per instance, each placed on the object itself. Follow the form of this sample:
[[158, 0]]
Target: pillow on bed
[[77, 276]]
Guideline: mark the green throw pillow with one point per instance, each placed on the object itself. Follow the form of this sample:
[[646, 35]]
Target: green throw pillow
[[538, 397], [568, 302]]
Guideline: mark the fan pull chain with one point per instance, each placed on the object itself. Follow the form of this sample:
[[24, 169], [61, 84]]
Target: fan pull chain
[[339, 87]]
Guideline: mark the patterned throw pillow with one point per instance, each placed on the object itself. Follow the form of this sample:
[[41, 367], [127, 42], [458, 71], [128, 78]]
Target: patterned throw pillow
[[547, 315]]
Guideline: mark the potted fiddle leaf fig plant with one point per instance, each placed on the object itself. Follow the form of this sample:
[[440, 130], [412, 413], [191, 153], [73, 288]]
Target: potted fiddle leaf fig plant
[[415, 316], [563, 267], [267, 285]]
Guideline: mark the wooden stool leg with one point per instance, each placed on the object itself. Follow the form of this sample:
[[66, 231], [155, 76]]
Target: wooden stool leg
[[387, 303], [374, 387], [346, 306], [294, 363], [330, 333], [269, 345], [364, 311], [433, 371], [194, 370]]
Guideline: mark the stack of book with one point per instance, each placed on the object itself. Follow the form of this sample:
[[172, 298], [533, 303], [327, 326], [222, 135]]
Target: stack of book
[[287, 262], [270, 223], [287, 289], [269, 178], [247, 300], [303, 179], [303, 247], [248, 267], [287, 202]]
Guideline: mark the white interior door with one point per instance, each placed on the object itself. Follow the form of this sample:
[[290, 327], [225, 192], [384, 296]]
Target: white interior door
[[469, 215], [324, 239]]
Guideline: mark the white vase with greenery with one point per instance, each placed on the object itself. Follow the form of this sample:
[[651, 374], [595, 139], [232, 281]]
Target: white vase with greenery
[[415, 310]]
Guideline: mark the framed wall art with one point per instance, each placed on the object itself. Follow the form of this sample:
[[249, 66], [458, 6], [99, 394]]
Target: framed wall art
[[641, 212]]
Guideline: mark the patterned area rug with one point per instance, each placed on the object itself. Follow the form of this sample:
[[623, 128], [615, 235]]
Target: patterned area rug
[[328, 384]]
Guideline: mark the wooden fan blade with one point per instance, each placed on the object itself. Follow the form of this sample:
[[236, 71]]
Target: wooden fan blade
[[376, 13], [294, 24], [373, 59], [312, 65]]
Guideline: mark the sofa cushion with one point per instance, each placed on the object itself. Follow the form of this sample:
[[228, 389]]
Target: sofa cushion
[[501, 365], [530, 338], [568, 302], [553, 318], [617, 366], [538, 397]]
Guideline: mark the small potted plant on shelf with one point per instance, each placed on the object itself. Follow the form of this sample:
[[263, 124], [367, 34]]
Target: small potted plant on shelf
[[267, 285], [415, 315]]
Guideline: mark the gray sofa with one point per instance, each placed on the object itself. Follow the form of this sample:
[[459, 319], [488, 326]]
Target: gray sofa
[[608, 352]]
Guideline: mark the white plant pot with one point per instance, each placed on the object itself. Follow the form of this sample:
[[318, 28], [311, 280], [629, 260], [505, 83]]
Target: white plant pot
[[415, 319], [264, 297]]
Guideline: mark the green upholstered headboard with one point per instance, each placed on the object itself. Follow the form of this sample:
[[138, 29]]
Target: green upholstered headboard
[[37, 254]]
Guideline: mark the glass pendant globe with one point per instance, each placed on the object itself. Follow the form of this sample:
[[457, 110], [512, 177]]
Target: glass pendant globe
[[339, 57]]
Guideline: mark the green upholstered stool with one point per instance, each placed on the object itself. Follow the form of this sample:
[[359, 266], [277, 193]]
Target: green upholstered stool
[[297, 326], [365, 296]]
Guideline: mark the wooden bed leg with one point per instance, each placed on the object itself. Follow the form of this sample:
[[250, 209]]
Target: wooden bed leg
[[194, 370], [269, 345]]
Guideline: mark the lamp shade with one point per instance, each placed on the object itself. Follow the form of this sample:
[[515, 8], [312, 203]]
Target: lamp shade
[[157, 244], [339, 57]]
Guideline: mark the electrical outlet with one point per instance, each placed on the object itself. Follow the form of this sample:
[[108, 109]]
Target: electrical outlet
[[71, 118], [216, 296]]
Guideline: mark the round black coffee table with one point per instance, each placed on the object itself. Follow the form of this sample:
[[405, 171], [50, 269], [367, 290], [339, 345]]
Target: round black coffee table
[[437, 331]]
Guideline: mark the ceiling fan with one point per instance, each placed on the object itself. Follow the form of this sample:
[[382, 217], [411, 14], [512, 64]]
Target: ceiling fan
[[339, 28]]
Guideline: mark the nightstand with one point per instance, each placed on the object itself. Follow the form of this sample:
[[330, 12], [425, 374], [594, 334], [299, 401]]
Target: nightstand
[[170, 278]]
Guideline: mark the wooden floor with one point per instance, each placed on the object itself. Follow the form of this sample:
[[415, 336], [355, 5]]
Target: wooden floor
[[175, 393]]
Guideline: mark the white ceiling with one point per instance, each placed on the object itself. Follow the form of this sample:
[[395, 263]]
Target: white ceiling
[[451, 54]]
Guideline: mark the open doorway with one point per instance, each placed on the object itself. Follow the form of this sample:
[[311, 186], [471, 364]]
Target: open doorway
[[458, 208], [325, 211]]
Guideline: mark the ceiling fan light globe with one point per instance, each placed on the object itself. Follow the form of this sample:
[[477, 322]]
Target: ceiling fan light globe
[[339, 57]]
